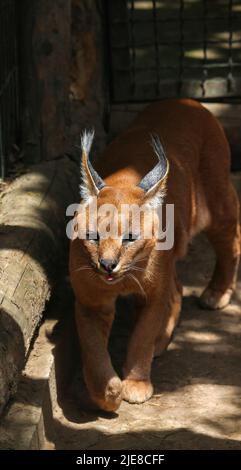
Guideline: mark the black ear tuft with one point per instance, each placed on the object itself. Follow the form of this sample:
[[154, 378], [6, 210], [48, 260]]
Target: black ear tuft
[[97, 179], [160, 170]]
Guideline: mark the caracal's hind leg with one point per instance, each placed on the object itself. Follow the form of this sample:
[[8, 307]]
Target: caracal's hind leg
[[170, 318], [224, 235]]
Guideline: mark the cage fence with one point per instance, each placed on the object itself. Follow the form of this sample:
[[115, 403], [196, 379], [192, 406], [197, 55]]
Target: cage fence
[[175, 48], [9, 86]]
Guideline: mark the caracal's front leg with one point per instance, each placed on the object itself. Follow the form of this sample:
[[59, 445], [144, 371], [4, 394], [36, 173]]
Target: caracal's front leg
[[137, 386], [104, 385]]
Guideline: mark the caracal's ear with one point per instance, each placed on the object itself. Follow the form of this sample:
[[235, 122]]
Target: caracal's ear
[[154, 183], [91, 182]]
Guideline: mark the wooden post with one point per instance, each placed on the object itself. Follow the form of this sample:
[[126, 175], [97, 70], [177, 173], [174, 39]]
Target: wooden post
[[45, 28], [29, 86]]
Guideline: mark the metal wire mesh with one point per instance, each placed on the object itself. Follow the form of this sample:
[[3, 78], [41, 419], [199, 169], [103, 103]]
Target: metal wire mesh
[[9, 94], [178, 48]]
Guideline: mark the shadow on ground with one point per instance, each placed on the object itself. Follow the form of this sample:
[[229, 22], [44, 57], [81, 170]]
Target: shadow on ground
[[197, 400]]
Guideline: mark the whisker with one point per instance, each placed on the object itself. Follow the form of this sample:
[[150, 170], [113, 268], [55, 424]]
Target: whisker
[[141, 259], [83, 268], [136, 268], [138, 283]]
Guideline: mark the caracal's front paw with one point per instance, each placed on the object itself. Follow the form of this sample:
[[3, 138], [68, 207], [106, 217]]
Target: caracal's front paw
[[215, 299], [137, 391], [111, 398]]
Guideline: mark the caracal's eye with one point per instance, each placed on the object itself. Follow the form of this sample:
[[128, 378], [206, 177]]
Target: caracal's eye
[[130, 237], [92, 237]]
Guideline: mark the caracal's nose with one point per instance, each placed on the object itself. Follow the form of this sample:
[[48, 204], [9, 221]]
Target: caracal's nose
[[108, 264]]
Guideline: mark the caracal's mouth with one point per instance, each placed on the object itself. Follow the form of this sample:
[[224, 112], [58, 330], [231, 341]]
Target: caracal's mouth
[[110, 278]]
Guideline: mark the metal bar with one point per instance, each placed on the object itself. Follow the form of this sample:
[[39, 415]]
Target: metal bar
[[230, 42], [16, 73], [176, 43], [151, 82], [9, 92], [132, 47], [190, 19], [181, 47], [186, 67], [109, 10], [205, 69], [156, 45]]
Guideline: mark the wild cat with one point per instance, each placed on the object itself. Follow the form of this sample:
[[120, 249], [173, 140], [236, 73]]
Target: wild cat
[[188, 166]]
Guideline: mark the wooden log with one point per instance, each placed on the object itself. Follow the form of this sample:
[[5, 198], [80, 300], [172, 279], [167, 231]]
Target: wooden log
[[33, 247]]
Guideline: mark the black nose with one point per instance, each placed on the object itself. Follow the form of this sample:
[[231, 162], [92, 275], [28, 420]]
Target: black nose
[[108, 264]]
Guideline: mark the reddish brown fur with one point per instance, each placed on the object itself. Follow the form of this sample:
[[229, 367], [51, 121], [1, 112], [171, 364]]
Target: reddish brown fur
[[199, 186]]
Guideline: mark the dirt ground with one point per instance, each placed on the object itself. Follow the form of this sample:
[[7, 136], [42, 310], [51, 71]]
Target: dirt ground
[[197, 399]]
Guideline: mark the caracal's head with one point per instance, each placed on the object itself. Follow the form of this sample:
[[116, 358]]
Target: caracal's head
[[117, 225]]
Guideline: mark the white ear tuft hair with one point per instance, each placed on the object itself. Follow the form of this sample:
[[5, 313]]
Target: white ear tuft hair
[[87, 138], [91, 182]]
